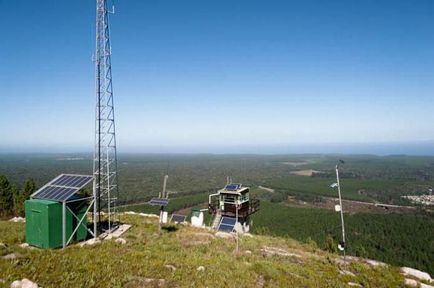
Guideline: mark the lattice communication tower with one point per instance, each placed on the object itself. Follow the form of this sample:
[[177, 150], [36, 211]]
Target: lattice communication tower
[[105, 186]]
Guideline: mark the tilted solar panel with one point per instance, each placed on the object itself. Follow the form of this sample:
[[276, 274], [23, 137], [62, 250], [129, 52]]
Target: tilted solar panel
[[62, 187], [233, 187], [228, 221], [56, 193], [159, 201], [178, 218], [227, 224], [72, 180]]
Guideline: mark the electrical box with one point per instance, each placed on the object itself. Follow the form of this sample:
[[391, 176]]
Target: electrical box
[[44, 222]]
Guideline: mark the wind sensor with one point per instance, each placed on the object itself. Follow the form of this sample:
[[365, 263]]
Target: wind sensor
[[338, 208]]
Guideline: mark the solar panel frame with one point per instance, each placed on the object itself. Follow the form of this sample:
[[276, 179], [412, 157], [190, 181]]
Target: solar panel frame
[[228, 221], [158, 202], [71, 180], [232, 187], [63, 187], [178, 218], [227, 224]]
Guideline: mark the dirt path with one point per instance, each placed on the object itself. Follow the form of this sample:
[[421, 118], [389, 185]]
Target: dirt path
[[354, 206], [266, 189]]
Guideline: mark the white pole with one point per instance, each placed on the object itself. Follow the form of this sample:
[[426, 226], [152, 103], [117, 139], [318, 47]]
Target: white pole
[[340, 204], [236, 215]]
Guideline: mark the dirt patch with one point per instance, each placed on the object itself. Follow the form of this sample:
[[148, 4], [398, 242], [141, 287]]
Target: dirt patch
[[145, 282], [296, 256], [195, 239], [260, 281], [306, 173]]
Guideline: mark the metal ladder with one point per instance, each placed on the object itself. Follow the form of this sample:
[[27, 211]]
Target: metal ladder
[[216, 221]]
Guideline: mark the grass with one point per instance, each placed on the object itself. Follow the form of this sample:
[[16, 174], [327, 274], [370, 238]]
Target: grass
[[147, 252]]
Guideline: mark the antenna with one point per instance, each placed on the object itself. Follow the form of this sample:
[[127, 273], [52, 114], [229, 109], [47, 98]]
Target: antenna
[[105, 186]]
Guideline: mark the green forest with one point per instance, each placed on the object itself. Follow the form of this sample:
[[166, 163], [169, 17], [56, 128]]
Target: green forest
[[398, 239], [365, 177]]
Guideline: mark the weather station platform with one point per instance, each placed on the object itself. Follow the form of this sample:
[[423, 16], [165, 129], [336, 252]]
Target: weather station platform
[[232, 207]]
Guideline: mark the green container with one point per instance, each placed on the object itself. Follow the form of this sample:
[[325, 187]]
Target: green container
[[44, 222], [195, 212]]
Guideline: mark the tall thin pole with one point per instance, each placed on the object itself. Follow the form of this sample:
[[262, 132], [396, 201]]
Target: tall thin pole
[[236, 217], [342, 210]]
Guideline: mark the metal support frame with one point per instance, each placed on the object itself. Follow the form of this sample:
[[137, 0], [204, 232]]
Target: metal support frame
[[65, 242], [80, 222], [105, 185]]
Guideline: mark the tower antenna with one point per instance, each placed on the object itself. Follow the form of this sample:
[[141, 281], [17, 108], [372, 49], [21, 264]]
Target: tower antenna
[[105, 185]]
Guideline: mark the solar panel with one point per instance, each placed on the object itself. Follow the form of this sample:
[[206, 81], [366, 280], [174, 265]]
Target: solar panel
[[232, 187], [63, 187], [71, 180], [56, 193], [227, 224], [228, 221], [159, 201], [178, 218]]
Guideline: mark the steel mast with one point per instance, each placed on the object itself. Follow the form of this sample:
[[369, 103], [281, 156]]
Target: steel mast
[[105, 188]]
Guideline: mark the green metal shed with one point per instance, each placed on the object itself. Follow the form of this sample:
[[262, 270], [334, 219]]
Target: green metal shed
[[44, 222]]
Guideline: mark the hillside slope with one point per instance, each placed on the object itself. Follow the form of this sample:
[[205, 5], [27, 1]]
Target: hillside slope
[[185, 257]]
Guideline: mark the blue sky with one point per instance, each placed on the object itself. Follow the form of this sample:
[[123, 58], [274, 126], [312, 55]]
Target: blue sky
[[221, 76]]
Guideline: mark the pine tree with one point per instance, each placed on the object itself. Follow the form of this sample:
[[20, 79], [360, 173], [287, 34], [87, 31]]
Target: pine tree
[[29, 188], [20, 197], [16, 195], [6, 197]]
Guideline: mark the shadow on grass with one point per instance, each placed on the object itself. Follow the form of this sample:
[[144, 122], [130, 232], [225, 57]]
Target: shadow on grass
[[170, 228]]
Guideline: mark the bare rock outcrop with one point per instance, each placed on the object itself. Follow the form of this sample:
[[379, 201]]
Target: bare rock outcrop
[[407, 271], [18, 219], [25, 283]]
